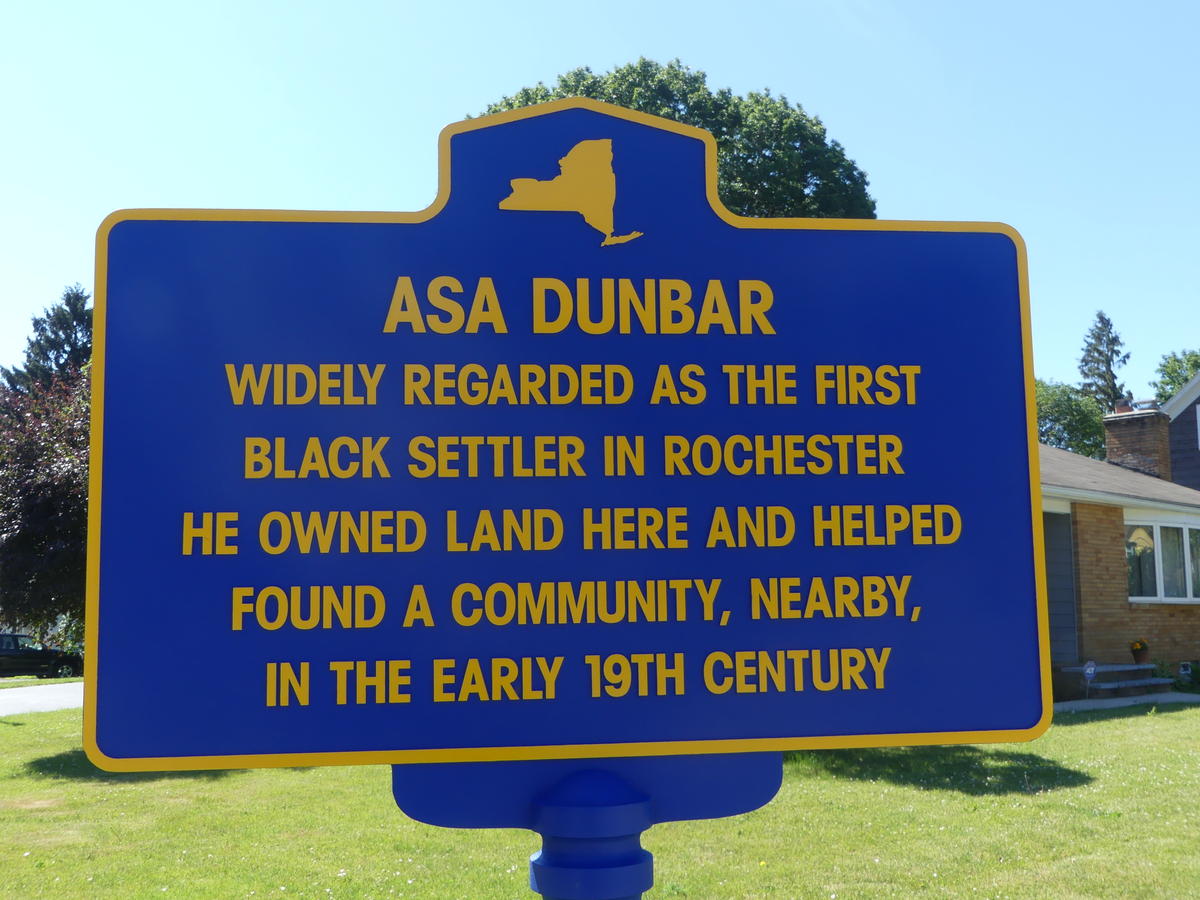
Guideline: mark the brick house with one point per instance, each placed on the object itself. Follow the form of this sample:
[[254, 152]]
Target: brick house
[[1123, 544]]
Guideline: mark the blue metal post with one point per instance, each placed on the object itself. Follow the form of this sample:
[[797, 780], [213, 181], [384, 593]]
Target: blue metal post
[[591, 824]]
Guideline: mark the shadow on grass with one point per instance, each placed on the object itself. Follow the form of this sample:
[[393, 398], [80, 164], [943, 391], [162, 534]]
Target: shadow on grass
[[6, 722], [74, 765], [1067, 719], [968, 770]]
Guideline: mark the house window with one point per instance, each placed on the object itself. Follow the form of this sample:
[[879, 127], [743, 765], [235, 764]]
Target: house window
[[1163, 563], [1194, 550]]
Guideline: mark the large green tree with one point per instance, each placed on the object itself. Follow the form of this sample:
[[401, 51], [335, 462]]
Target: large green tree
[[43, 501], [773, 158], [1101, 357], [1070, 419], [61, 342], [1174, 371], [44, 416]]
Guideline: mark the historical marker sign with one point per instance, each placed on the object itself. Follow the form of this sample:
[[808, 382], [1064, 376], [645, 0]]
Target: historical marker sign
[[573, 463]]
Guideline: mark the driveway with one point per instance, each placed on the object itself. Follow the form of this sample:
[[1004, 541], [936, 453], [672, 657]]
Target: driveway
[[41, 698]]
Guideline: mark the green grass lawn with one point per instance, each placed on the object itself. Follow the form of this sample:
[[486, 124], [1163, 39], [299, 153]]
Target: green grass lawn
[[17, 681], [1105, 805]]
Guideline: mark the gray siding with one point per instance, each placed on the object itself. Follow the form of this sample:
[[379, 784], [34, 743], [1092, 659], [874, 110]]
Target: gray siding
[[1185, 454], [1060, 584]]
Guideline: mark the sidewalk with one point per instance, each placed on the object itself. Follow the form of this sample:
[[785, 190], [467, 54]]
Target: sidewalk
[[1113, 702], [41, 698], [47, 697]]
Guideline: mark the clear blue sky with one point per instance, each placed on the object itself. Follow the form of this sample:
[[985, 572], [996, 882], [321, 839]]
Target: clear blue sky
[[1076, 122]]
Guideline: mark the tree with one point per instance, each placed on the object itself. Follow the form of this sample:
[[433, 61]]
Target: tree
[[1098, 366], [1174, 371], [1069, 418], [44, 414], [43, 501], [61, 342], [773, 158]]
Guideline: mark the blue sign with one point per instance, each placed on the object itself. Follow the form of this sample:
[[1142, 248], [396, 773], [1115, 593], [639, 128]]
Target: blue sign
[[573, 464]]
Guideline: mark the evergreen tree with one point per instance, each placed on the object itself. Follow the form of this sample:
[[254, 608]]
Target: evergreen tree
[[61, 343], [773, 158], [1098, 365]]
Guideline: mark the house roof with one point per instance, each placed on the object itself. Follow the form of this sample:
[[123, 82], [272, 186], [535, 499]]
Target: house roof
[[1066, 474], [1183, 398]]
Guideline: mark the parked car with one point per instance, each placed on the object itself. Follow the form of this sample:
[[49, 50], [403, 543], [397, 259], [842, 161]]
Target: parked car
[[21, 654]]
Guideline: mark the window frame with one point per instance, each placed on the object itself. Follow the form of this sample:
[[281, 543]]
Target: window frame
[[1190, 587]]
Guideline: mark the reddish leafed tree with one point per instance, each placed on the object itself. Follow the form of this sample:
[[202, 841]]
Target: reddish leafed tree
[[43, 501]]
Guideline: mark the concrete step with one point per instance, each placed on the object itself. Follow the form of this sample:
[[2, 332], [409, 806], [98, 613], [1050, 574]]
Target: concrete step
[[1112, 667], [1130, 683]]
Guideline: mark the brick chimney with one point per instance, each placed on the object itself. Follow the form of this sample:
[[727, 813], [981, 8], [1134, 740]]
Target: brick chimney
[[1139, 439]]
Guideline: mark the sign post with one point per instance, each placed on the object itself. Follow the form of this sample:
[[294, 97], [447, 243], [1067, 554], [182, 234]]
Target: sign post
[[574, 475]]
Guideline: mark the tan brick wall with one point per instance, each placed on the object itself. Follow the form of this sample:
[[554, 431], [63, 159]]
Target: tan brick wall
[[1172, 631], [1098, 533], [1107, 620], [1140, 441]]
